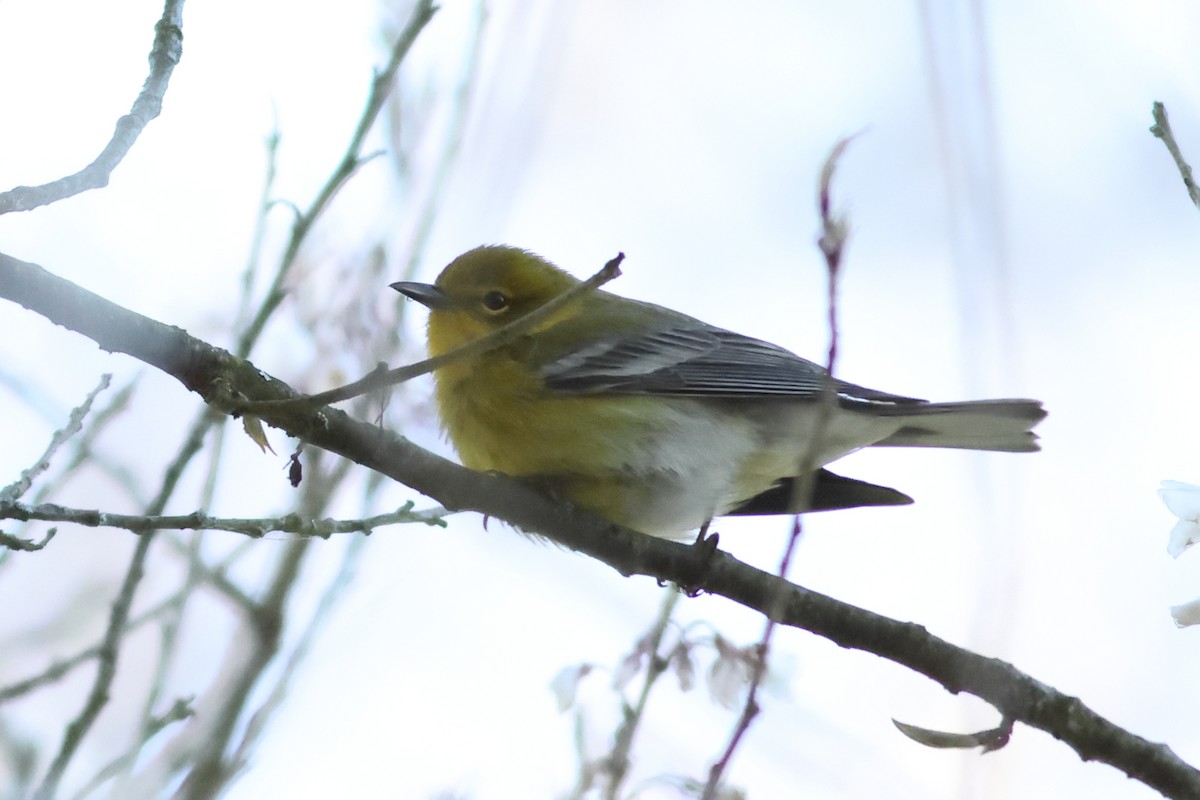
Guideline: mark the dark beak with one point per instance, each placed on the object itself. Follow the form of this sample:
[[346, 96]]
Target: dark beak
[[426, 294]]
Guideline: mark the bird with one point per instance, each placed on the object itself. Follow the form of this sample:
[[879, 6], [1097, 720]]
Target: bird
[[658, 421]]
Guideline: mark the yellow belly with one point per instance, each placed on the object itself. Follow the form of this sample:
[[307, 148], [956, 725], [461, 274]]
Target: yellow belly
[[663, 467]]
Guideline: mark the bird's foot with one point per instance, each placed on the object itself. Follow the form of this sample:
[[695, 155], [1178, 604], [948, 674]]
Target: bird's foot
[[704, 548]]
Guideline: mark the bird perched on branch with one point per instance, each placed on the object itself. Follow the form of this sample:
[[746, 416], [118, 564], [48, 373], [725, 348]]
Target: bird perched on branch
[[656, 420]]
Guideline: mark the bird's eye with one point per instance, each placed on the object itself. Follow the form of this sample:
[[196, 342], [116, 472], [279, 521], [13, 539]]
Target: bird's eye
[[495, 301]]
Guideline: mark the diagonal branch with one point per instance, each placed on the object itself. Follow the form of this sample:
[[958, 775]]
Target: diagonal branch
[[164, 55], [1162, 129], [225, 381], [381, 378], [74, 425], [349, 163]]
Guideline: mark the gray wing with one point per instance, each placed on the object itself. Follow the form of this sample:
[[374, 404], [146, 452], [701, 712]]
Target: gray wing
[[698, 361]]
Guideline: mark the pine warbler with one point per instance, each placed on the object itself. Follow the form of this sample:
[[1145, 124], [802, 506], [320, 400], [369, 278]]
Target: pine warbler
[[656, 420]]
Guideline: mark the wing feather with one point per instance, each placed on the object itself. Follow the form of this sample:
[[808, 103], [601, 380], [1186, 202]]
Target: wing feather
[[698, 361]]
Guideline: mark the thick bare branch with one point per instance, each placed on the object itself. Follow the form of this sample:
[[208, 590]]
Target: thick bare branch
[[225, 382]]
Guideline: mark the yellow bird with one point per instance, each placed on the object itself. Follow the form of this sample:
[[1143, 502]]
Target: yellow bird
[[656, 420]]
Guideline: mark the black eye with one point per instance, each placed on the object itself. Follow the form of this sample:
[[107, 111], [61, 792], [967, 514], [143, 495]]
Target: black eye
[[495, 301]]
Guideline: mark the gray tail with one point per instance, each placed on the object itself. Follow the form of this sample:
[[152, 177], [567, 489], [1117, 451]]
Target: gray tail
[[1002, 425]]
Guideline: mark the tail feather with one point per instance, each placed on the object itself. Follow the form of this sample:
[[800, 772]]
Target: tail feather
[[1000, 425], [830, 492]]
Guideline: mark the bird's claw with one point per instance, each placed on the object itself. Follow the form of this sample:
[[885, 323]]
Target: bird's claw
[[705, 547]]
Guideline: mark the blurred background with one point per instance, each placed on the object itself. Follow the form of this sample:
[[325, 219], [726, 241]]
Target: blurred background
[[1016, 231]]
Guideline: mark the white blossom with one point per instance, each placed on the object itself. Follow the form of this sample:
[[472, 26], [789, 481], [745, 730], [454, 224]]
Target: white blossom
[[1186, 614], [1183, 500], [566, 684]]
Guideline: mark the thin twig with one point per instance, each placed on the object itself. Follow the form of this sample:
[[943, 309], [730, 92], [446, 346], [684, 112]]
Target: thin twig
[[258, 237], [617, 763], [10, 542], [832, 242], [381, 378], [164, 55], [213, 575], [209, 771], [63, 666], [1162, 129], [74, 423], [255, 527], [350, 162], [179, 710], [106, 669], [84, 452], [329, 597]]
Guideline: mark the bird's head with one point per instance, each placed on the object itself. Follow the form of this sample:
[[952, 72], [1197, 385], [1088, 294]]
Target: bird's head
[[482, 290]]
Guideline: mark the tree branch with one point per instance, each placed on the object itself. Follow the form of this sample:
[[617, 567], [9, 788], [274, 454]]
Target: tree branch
[[225, 381], [381, 378], [350, 161], [1162, 129], [164, 55], [74, 425], [255, 527]]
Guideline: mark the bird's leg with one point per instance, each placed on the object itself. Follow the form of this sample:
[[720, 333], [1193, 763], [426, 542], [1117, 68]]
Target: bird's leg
[[704, 547]]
